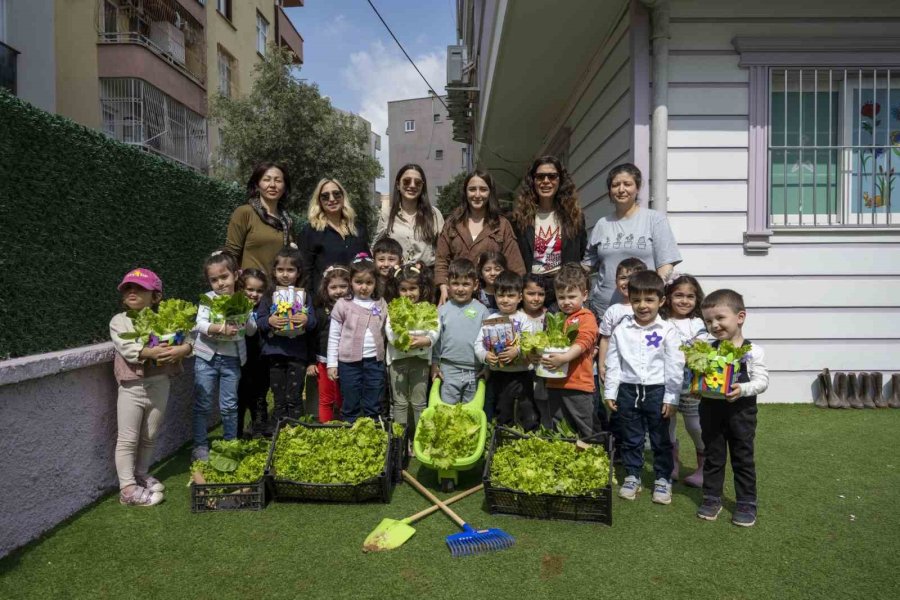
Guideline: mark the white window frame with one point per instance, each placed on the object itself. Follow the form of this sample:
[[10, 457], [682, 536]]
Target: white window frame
[[226, 67], [262, 33], [409, 126], [224, 8]]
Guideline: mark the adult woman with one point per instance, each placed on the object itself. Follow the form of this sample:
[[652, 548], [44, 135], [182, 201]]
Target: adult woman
[[410, 218], [548, 221], [261, 227], [474, 227], [631, 231], [332, 235]]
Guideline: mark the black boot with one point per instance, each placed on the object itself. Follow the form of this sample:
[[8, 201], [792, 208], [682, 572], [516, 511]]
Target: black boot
[[825, 389], [875, 390], [865, 387], [853, 389], [894, 398]]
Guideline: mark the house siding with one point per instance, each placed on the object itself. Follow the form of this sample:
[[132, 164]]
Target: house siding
[[818, 299]]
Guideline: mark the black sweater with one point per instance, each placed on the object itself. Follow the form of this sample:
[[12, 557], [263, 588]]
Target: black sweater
[[572, 248], [321, 249]]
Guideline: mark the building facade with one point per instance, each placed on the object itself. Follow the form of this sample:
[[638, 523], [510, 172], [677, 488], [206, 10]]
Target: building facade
[[142, 71], [780, 122], [372, 148], [420, 132]]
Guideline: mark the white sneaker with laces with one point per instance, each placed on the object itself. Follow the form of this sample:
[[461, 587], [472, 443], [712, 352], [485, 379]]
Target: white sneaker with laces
[[662, 491], [630, 488]]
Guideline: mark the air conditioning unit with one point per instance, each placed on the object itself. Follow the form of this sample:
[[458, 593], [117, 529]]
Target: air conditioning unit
[[455, 62], [168, 38]]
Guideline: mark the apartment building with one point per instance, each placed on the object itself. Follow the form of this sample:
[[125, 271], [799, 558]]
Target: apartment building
[[142, 71], [372, 147], [421, 132]]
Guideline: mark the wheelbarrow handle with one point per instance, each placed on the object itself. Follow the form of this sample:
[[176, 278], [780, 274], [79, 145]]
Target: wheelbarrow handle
[[412, 481], [451, 500]]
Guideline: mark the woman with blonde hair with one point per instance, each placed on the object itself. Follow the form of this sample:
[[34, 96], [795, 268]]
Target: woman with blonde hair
[[332, 234]]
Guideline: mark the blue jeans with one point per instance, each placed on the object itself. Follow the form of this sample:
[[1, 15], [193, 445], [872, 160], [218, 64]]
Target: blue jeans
[[639, 413], [226, 371], [361, 385]]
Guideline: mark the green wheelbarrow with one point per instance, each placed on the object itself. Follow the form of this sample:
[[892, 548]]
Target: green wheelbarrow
[[448, 477]]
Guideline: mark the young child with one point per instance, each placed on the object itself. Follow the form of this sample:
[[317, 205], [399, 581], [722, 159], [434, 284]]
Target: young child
[[616, 312], [388, 255], [572, 397], [254, 383], [511, 381], [408, 370], [459, 323], [143, 377], [356, 342], [220, 350], [490, 265], [644, 371], [286, 352], [730, 425], [335, 285], [682, 309], [535, 312]]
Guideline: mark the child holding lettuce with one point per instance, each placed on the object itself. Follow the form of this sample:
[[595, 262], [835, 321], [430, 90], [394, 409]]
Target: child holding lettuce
[[409, 352]]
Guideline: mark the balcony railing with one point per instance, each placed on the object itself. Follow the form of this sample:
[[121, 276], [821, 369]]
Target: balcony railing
[[172, 34], [8, 57]]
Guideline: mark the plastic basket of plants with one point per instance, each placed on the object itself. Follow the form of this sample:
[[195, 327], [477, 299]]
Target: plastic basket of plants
[[399, 450], [333, 462], [233, 478], [544, 476]]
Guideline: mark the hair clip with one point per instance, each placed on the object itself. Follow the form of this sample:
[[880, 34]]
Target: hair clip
[[334, 268], [293, 246], [216, 253], [361, 256]]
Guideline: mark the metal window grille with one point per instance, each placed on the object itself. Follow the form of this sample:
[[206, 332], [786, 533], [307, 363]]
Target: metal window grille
[[135, 112], [171, 33], [834, 147]]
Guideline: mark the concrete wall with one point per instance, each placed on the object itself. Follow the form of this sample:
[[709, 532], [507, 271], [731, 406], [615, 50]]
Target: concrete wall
[[77, 86], [58, 435], [29, 29], [420, 146]]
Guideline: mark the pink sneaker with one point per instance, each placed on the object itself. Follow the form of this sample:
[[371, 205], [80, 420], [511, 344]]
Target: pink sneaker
[[140, 496], [150, 482]]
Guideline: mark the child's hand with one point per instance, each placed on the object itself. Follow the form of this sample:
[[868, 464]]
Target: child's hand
[[151, 353], [611, 403], [436, 372], [509, 355], [735, 392], [299, 319], [228, 329], [332, 373], [171, 354], [668, 411], [276, 322], [553, 361], [419, 341], [534, 357], [491, 358], [312, 371]]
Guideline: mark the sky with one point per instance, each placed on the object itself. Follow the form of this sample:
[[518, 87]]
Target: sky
[[351, 56]]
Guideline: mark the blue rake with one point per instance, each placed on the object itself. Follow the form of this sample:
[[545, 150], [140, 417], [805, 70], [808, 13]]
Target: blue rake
[[470, 540]]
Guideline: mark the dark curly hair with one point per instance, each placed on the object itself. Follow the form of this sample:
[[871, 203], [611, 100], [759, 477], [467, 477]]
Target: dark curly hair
[[565, 203]]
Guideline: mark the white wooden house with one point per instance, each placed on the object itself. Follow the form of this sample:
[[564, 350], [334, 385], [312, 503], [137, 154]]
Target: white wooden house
[[782, 120]]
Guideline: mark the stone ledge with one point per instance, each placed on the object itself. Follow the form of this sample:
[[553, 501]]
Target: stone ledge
[[36, 366]]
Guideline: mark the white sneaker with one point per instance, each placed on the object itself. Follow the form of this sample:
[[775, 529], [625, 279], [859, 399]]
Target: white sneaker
[[662, 492], [630, 488]]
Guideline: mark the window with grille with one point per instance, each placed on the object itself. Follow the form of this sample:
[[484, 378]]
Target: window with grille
[[409, 126], [833, 147], [262, 33]]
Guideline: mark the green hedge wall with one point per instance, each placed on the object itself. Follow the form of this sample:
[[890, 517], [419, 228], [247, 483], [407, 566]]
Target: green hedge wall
[[77, 211]]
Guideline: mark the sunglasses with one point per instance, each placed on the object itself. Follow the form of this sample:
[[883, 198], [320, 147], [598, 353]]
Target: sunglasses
[[548, 176], [409, 181], [337, 195]]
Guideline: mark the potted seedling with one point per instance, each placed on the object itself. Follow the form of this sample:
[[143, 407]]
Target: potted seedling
[[555, 339], [714, 370]]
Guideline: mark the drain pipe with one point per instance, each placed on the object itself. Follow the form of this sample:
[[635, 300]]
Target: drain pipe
[[660, 11]]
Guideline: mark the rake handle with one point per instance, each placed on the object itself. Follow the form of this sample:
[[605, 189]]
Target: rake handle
[[412, 481], [451, 500]]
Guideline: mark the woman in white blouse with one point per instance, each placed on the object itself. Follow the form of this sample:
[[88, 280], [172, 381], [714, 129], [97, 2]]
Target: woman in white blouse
[[410, 218]]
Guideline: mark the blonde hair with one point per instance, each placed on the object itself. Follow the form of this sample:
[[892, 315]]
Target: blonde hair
[[316, 216]]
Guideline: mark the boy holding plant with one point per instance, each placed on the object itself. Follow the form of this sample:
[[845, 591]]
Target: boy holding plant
[[572, 397], [729, 426], [644, 371]]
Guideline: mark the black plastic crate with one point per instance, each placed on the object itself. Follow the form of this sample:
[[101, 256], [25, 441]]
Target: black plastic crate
[[548, 506], [376, 489], [399, 454], [211, 497]]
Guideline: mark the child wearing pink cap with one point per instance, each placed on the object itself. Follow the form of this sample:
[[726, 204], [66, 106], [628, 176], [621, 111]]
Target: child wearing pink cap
[[143, 377]]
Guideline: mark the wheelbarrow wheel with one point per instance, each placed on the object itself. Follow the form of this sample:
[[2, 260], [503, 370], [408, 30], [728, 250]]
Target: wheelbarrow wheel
[[447, 485]]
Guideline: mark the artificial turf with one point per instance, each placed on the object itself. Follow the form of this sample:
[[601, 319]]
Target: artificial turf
[[828, 527]]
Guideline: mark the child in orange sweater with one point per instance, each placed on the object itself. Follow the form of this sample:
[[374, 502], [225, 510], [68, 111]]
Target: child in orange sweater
[[572, 398]]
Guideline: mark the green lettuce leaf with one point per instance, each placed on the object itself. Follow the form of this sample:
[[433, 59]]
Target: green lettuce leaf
[[407, 316], [448, 434], [539, 466]]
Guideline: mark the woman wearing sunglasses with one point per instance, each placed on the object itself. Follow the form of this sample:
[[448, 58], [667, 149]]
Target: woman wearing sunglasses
[[410, 218], [332, 235], [548, 221]]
